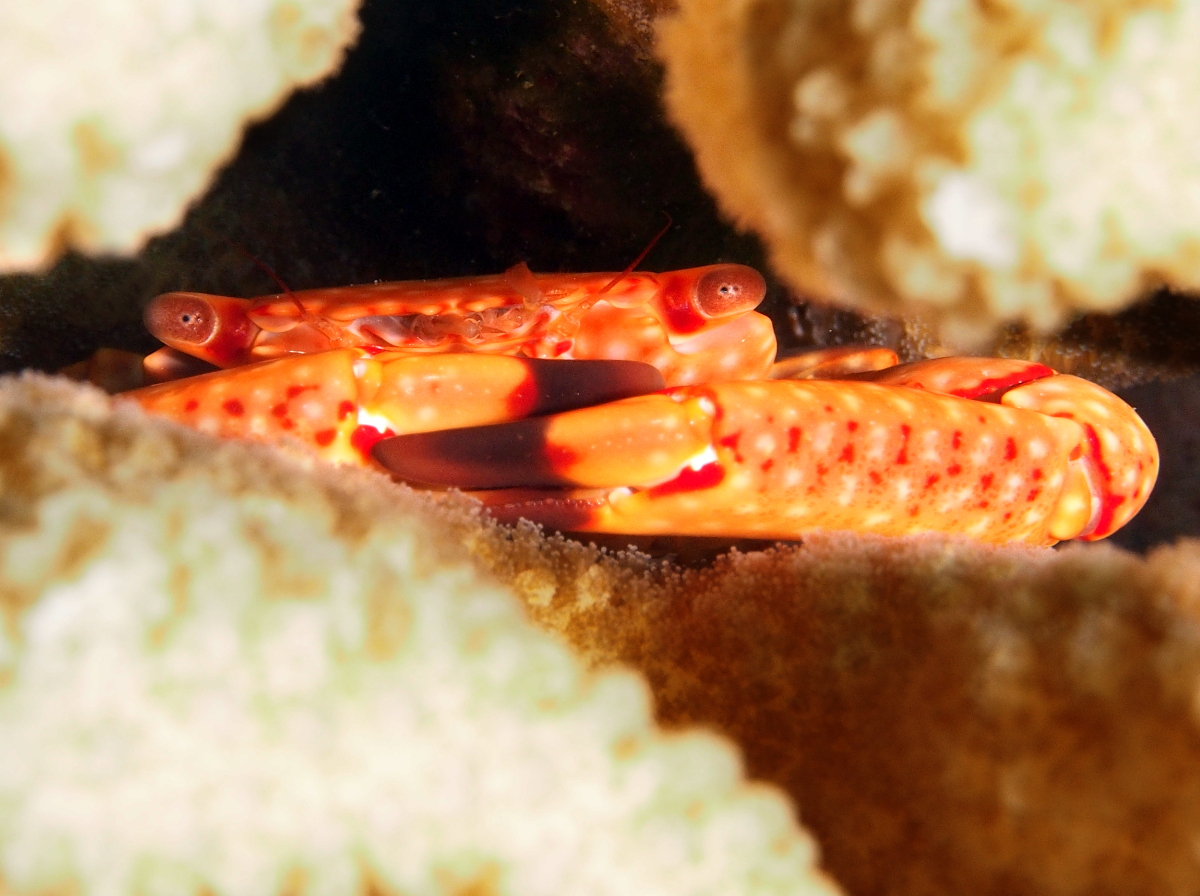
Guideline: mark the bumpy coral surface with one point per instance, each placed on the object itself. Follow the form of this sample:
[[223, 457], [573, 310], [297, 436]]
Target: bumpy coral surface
[[974, 162], [113, 115], [223, 672], [950, 718]]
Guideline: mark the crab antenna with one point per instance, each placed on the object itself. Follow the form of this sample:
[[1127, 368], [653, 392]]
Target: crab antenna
[[269, 271], [633, 264]]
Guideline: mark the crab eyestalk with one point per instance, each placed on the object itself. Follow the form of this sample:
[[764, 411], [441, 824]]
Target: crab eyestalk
[[697, 326], [215, 329], [724, 290]]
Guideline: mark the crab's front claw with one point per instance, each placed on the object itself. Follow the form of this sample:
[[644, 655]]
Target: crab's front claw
[[1116, 464], [340, 402], [1044, 459], [635, 442]]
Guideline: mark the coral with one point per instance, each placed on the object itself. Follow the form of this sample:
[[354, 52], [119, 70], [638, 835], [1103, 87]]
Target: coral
[[224, 672], [114, 115], [974, 164], [950, 718]]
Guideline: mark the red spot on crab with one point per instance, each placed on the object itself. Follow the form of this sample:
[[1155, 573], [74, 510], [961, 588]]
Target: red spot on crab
[[690, 480], [293, 391], [345, 409], [1010, 449], [324, 437], [560, 458], [522, 399], [731, 442], [953, 469], [234, 408], [191, 405], [995, 386], [793, 439], [681, 316], [364, 437], [905, 432], [956, 440], [1110, 502], [847, 455]]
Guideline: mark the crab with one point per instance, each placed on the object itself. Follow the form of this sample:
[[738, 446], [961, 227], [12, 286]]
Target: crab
[[641, 403]]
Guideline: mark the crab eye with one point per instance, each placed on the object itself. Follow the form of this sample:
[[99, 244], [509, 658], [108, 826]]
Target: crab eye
[[180, 317], [728, 289]]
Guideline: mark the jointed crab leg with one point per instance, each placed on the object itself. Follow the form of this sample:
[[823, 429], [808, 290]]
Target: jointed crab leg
[[775, 459], [339, 403]]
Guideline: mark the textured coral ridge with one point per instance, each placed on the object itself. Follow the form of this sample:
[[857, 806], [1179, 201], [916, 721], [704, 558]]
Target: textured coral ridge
[[224, 672], [113, 115], [978, 162], [951, 718]]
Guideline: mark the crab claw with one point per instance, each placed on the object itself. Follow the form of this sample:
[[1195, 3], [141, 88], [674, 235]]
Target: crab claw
[[1116, 463], [638, 440], [341, 402], [780, 458]]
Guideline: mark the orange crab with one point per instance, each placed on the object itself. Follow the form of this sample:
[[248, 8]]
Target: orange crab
[[466, 383]]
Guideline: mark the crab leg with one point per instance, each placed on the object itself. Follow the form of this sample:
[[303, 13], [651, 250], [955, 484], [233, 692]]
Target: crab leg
[[776, 459], [339, 403], [832, 363]]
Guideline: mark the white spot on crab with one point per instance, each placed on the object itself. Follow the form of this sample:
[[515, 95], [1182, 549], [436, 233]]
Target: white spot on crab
[[851, 402], [955, 499], [380, 422], [742, 481], [823, 437], [930, 449], [983, 451], [980, 526]]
